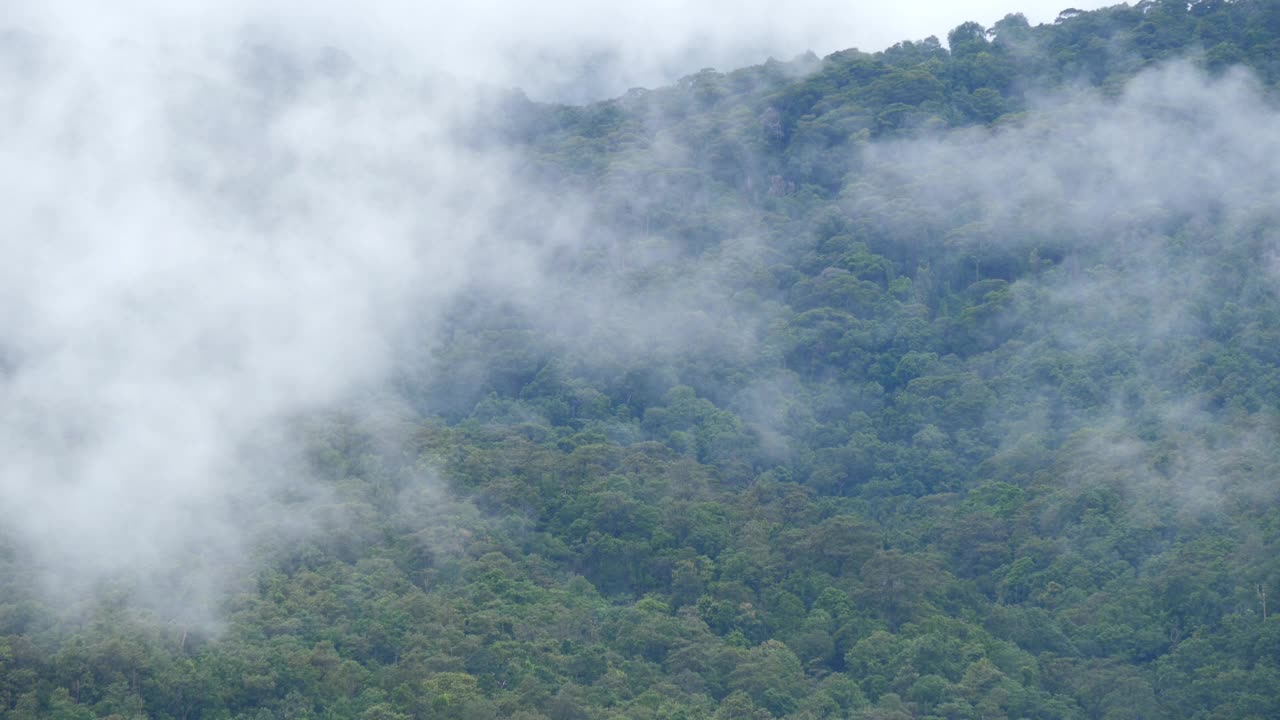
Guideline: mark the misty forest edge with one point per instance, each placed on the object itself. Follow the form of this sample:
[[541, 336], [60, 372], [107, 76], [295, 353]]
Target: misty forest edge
[[963, 468]]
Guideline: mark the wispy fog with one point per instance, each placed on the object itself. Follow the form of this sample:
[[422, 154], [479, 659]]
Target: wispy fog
[[218, 218], [568, 50]]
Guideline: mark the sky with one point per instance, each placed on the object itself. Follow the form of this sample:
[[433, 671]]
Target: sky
[[546, 48]]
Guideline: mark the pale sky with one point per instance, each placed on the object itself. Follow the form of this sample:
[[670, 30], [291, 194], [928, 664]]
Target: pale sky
[[647, 42], [921, 18]]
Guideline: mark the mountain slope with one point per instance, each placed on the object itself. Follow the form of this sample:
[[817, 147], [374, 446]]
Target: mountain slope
[[933, 383]]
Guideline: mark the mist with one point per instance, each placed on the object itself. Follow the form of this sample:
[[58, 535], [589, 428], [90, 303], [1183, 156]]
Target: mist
[[1126, 206], [220, 220], [569, 51]]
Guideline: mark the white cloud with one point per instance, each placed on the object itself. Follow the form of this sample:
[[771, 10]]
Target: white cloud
[[543, 45]]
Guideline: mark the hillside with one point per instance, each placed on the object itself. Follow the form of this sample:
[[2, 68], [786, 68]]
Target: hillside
[[936, 382]]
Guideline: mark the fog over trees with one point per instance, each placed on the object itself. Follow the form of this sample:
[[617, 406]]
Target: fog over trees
[[343, 376]]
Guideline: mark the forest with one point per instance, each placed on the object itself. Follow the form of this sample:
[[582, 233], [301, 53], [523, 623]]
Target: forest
[[935, 382]]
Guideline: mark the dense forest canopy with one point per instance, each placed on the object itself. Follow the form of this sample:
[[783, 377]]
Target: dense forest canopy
[[935, 382]]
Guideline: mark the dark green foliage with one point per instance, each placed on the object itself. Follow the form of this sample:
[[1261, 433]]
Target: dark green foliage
[[917, 489]]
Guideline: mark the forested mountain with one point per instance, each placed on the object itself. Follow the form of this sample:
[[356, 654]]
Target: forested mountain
[[936, 382]]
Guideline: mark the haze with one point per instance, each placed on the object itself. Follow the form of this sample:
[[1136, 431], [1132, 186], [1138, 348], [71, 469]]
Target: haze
[[572, 50]]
